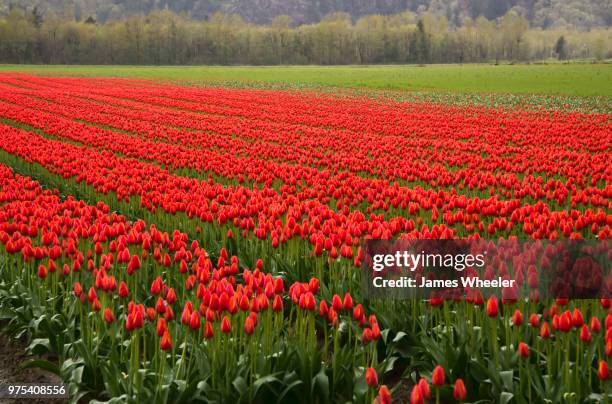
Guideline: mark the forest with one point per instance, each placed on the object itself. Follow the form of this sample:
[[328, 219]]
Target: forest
[[32, 35]]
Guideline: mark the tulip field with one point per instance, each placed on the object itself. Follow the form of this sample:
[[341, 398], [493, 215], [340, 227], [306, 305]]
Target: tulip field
[[164, 243]]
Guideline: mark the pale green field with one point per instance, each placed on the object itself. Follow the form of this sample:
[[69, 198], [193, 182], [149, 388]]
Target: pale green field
[[577, 79]]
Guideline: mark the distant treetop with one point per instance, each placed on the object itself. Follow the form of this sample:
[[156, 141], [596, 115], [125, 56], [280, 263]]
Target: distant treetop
[[540, 13]]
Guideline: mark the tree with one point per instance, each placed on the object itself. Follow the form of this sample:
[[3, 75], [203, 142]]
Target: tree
[[37, 17], [561, 48], [512, 26], [421, 44]]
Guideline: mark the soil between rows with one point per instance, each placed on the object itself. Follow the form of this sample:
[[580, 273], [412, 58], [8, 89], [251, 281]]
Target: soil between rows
[[12, 354]]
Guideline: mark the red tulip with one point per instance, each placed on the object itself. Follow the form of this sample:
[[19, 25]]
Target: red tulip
[[565, 321], [108, 316], [492, 307], [337, 303], [194, 321], [384, 395], [523, 350], [171, 296], [323, 308], [534, 321], [416, 397], [460, 392], [609, 348], [424, 386], [92, 295], [517, 318], [371, 377], [160, 306], [123, 290], [166, 342], [208, 330], [603, 372], [577, 319], [78, 290], [134, 265], [545, 330], [249, 326], [348, 302], [437, 378], [585, 334], [42, 272], [169, 314], [161, 327], [186, 315], [313, 285], [366, 336], [156, 286], [226, 326]]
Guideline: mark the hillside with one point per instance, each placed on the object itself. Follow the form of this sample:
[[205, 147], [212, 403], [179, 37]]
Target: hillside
[[540, 13]]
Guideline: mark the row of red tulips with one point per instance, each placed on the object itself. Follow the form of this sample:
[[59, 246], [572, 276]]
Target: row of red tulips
[[184, 158], [278, 144], [468, 216], [125, 271]]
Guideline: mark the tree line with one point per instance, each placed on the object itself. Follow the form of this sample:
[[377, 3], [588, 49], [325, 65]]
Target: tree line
[[165, 38]]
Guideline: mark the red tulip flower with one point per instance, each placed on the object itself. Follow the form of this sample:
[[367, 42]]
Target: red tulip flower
[[348, 302], [277, 304], [226, 325], [166, 342], [603, 373], [492, 307], [425, 390], [171, 296], [585, 334], [109, 317], [416, 396], [384, 395], [161, 326], [523, 350], [194, 321], [42, 272], [249, 325], [545, 330], [517, 318], [208, 330], [371, 377], [459, 392], [123, 290], [534, 321], [437, 378]]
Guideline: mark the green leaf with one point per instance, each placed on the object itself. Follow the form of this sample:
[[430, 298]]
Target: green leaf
[[389, 362], [77, 375], [264, 381], [507, 378], [240, 385], [505, 397], [41, 364], [322, 382], [399, 336], [39, 346], [384, 333], [287, 390]]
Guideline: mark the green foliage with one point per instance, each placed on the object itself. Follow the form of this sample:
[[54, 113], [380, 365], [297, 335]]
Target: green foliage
[[164, 38]]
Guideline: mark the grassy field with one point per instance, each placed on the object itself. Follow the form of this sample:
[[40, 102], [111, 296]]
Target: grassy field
[[550, 79]]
